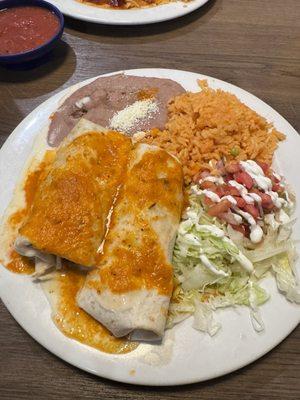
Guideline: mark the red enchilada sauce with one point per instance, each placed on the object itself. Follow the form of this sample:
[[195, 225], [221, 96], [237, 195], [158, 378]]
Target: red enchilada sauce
[[26, 28], [75, 323], [18, 263]]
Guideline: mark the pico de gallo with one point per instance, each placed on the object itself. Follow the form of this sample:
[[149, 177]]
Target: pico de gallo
[[246, 195]]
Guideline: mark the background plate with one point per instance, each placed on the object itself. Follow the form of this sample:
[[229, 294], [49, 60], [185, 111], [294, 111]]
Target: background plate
[[141, 16], [186, 355]]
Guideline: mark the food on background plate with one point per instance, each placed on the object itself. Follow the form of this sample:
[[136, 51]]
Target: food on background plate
[[129, 291], [102, 100], [71, 204], [126, 4], [26, 28], [110, 199]]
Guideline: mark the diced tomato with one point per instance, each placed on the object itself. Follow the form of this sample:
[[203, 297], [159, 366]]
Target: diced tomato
[[221, 190], [243, 228], [266, 199], [245, 179], [233, 168], [269, 207], [240, 201], [233, 191], [226, 190], [208, 201], [240, 228], [276, 187], [275, 179], [228, 177], [228, 217], [264, 166], [208, 185], [251, 209], [219, 208], [247, 229]]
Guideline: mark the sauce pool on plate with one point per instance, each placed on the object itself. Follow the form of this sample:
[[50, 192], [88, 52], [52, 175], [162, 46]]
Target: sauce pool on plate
[[26, 28]]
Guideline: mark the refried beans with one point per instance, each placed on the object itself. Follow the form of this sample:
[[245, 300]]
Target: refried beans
[[100, 100]]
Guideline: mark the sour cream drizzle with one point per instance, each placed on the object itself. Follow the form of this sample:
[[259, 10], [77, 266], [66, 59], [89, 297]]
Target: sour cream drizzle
[[215, 198], [256, 233], [205, 261], [211, 195], [214, 230], [249, 198], [257, 174], [243, 192], [278, 201], [242, 260], [263, 182]]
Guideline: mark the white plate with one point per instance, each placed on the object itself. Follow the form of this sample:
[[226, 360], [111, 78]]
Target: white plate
[[140, 16], [186, 356]]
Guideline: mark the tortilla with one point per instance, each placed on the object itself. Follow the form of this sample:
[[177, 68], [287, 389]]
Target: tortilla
[[129, 292]]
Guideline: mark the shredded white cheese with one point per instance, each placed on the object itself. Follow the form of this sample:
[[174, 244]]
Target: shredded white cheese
[[82, 102], [125, 119]]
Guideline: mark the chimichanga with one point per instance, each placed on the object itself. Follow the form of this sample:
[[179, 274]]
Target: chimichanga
[[130, 290]]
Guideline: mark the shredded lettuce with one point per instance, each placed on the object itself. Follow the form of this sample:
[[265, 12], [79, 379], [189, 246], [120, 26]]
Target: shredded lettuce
[[282, 267], [216, 267], [204, 319]]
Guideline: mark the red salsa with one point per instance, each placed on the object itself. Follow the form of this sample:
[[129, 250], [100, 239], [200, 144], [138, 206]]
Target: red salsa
[[25, 28]]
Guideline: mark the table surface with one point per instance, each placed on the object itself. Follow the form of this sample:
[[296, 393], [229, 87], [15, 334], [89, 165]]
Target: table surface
[[254, 44]]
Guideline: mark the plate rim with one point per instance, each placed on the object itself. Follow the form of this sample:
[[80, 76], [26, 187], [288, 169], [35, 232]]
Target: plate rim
[[144, 72]]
